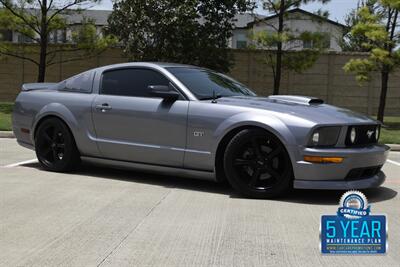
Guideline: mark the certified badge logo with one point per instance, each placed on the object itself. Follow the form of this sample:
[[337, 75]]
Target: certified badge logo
[[353, 205], [353, 230]]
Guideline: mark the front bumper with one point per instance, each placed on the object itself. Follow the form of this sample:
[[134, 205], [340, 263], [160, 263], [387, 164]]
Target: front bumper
[[371, 182], [336, 175]]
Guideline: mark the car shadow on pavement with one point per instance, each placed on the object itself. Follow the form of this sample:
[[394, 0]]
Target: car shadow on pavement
[[332, 197], [130, 175], [309, 197]]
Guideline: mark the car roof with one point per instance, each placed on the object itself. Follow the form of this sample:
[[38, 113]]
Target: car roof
[[146, 64]]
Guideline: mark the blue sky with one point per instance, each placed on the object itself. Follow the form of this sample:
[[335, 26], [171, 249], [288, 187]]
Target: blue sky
[[337, 8]]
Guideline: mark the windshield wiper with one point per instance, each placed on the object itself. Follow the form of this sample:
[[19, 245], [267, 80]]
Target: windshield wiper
[[214, 97], [211, 97]]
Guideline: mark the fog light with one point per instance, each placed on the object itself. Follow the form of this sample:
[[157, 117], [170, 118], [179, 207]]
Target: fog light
[[317, 159], [377, 134], [353, 135]]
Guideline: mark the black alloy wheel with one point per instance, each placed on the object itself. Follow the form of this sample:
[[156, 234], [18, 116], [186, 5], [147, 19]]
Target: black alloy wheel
[[55, 146], [257, 164]]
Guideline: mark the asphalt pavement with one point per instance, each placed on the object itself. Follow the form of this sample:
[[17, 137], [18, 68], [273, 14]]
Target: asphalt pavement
[[105, 217]]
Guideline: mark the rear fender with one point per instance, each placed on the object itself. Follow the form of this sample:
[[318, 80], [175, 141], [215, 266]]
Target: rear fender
[[57, 110]]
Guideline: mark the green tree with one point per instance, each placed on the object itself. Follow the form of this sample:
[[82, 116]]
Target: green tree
[[282, 41], [351, 42], [36, 21], [381, 38], [183, 31]]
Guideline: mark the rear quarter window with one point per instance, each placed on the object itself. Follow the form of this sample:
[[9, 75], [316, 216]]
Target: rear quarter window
[[82, 83]]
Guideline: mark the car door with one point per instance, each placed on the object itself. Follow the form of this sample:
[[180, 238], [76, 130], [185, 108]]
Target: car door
[[132, 125]]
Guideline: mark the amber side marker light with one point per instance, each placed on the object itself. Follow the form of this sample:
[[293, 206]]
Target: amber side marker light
[[24, 130], [317, 159]]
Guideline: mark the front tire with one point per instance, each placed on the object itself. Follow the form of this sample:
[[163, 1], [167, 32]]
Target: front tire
[[55, 146], [257, 164]]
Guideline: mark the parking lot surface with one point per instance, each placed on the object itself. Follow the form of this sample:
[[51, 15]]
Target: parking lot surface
[[104, 217]]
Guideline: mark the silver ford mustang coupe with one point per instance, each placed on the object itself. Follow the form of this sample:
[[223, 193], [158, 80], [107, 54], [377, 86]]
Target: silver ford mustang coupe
[[188, 121]]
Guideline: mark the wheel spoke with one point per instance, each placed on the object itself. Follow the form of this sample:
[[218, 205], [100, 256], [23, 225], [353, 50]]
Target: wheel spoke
[[255, 176], [60, 145], [55, 132], [256, 148], [55, 156], [272, 172], [45, 150], [47, 137], [274, 153], [243, 162]]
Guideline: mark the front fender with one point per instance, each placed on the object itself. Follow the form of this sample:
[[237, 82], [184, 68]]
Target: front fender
[[269, 123]]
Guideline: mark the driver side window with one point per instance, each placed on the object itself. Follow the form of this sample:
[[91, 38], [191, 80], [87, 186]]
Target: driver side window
[[131, 82]]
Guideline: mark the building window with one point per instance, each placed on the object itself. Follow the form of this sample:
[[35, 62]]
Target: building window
[[6, 35], [307, 44], [23, 39], [58, 37], [326, 42], [241, 44]]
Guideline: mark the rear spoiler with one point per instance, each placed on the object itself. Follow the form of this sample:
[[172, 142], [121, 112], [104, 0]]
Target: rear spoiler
[[37, 86], [298, 99]]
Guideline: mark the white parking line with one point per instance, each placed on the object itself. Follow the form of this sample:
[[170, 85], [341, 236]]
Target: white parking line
[[21, 163], [393, 162]]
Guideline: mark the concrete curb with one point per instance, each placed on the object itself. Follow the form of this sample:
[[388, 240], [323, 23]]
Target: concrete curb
[[10, 134], [394, 147], [6, 134]]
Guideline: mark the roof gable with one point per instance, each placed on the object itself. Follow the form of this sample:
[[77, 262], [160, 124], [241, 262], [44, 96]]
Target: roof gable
[[303, 12]]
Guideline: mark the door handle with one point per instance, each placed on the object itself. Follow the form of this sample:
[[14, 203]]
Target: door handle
[[103, 107]]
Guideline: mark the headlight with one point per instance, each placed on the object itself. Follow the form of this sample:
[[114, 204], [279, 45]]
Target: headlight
[[325, 136], [353, 135]]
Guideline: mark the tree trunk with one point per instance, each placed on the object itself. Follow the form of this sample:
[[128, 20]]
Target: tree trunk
[[42, 63], [279, 52], [382, 99], [278, 72], [43, 43]]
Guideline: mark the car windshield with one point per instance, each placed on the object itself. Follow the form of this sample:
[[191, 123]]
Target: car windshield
[[206, 84]]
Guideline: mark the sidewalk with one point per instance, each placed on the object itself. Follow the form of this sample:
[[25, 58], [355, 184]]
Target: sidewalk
[[6, 134]]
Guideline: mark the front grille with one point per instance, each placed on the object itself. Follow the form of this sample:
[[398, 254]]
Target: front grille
[[363, 173], [365, 135]]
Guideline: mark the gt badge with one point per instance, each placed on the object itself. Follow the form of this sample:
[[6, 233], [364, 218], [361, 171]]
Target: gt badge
[[198, 134]]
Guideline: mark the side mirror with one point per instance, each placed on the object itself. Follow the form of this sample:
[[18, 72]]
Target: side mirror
[[167, 93]]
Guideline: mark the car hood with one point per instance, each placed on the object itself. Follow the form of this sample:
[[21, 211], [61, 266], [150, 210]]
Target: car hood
[[306, 108]]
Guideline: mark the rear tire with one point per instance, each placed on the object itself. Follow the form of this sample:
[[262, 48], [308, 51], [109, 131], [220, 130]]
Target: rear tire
[[55, 146], [257, 164]]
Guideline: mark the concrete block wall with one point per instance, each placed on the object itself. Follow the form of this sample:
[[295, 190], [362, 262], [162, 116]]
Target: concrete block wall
[[326, 79]]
